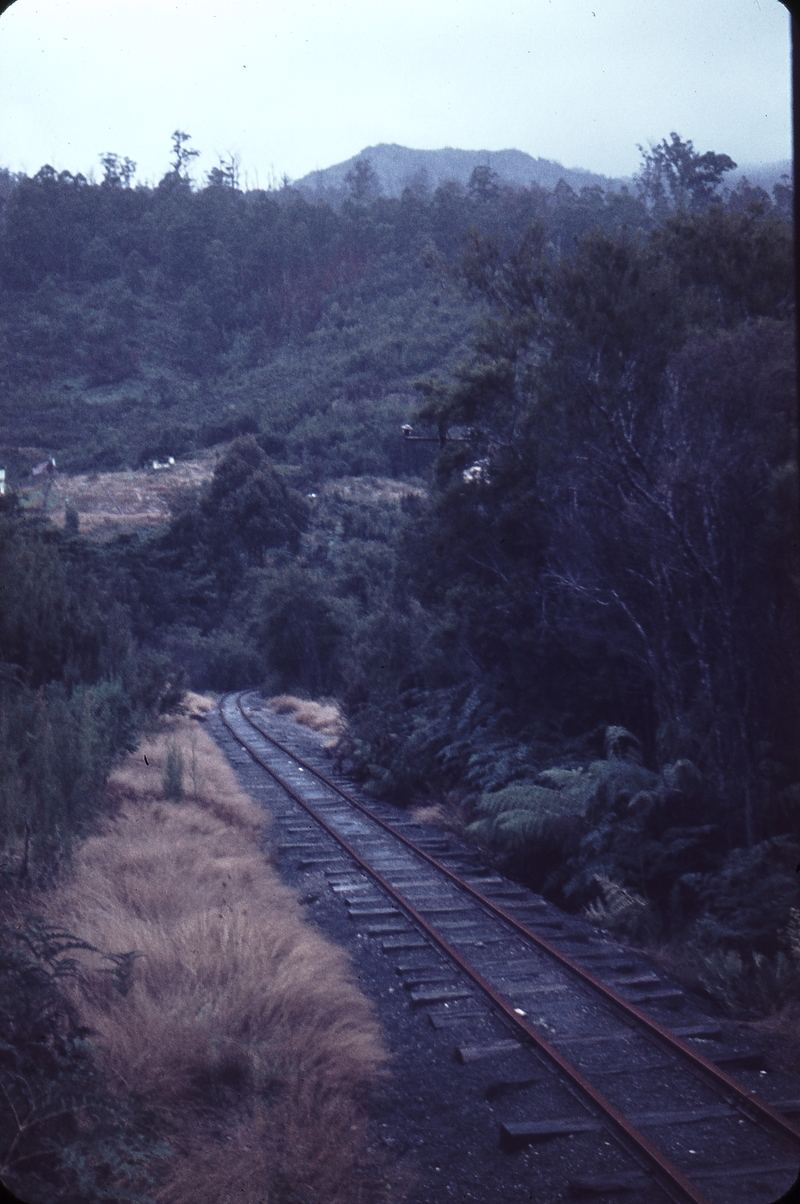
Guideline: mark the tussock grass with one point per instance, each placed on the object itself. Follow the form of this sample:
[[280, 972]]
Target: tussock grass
[[195, 706], [325, 718], [241, 1028], [447, 812]]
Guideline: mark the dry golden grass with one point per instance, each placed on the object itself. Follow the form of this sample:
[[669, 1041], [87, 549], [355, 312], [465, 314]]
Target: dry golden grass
[[447, 813], [196, 706], [325, 718], [242, 1027]]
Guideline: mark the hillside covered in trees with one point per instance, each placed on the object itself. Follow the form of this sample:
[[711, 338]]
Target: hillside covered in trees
[[572, 611], [144, 322]]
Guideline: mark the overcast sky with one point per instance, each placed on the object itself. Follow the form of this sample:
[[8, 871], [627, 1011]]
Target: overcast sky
[[293, 85]]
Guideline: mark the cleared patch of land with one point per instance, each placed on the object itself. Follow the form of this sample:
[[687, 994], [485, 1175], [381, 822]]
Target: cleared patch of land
[[111, 502], [371, 489]]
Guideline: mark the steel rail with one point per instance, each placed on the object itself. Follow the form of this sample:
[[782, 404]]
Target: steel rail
[[752, 1106], [664, 1172]]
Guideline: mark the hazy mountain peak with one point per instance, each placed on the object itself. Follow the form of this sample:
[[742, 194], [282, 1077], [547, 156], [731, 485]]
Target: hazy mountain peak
[[398, 167]]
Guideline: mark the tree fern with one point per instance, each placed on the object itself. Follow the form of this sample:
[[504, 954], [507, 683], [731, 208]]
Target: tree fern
[[748, 985], [622, 911]]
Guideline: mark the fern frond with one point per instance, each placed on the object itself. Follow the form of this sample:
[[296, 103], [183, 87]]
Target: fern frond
[[622, 911], [749, 987], [793, 936]]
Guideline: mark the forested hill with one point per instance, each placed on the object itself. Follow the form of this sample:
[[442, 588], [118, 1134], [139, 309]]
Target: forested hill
[[399, 167], [141, 323], [573, 613]]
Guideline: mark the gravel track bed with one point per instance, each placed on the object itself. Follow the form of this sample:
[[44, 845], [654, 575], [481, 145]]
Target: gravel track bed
[[460, 1079]]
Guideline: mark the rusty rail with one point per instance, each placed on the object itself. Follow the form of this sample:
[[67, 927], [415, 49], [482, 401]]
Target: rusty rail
[[668, 1176]]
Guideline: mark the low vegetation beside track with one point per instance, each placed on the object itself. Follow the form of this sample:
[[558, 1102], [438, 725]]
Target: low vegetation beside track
[[325, 718], [232, 1044]]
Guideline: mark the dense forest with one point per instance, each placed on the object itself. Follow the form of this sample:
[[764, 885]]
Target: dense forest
[[568, 613], [143, 322]]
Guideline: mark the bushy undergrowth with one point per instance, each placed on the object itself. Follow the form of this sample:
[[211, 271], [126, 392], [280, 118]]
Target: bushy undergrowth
[[749, 986], [630, 848], [241, 1031], [536, 822], [56, 748], [74, 690], [404, 743], [622, 911], [63, 1135], [761, 988]]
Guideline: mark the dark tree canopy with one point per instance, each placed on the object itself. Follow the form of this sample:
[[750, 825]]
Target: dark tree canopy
[[675, 176]]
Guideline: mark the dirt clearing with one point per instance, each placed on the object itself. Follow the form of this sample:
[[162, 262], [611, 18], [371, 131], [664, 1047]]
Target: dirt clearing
[[112, 502]]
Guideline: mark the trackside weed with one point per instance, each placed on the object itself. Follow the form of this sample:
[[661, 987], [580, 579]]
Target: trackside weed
[[241, 1029]]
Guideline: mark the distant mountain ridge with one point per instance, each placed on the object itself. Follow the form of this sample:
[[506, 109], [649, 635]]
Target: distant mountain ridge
[[398, 167], [762, 175]]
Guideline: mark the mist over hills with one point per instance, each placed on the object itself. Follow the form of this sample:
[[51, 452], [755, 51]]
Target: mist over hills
[[761, 175], [399, 167]]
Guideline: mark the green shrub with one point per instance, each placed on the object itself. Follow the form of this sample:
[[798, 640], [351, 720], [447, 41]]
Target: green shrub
[[231, 661], [747, 903], [748, 985], [537, 823], [173, 773], [63, 1134], [529, 826], [623, 912], [56, 748], [521, 796]]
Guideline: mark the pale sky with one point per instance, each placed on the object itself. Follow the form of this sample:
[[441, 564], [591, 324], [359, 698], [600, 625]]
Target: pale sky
[[295, 85]]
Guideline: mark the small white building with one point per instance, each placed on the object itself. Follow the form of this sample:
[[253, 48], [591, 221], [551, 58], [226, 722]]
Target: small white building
[[2, 481]]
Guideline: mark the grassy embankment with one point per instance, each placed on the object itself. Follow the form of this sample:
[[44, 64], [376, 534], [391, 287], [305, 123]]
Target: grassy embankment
[[242, 1029]]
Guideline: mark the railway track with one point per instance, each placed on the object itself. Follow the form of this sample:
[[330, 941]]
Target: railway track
[[617, 1058]]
